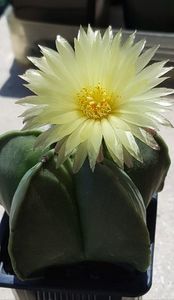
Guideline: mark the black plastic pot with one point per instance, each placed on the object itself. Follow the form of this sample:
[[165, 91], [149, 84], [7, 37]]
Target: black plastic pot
[[85, 281]]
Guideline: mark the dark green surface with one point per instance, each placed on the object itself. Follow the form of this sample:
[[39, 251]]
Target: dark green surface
[[44, 222], [149, 177], [57, 218], [112, 216], [16, 157]]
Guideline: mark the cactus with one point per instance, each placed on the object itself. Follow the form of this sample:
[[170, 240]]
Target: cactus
[[16, 157], [113, 216], [58, 218], [149, 177], [44, 221]]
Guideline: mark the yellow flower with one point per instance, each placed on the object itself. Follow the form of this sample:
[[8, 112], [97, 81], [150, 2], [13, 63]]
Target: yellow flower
[[100, 91]]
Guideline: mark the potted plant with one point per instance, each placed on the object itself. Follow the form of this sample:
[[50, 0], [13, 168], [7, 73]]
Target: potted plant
[[77, 192]]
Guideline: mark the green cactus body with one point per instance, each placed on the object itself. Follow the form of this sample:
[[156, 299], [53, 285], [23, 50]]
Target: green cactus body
[[149, 177], [44, 221], [57, 218], [112, 216], [16, 157]]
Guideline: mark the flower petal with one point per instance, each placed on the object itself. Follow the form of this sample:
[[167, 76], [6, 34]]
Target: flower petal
[[160, 119], [79, 136], [153, 93], [128, 141], [94, 144], [50, 117], [144, 59], [139, 120], [129, 41], [112, 143], [138, 87], [57, 133], [47, 138], [128, 83], [118, 123], [80, 157], [66, 129], [61, 157], [108, 36], [41, 63], [63, 118], [145, 106], [145, 137]]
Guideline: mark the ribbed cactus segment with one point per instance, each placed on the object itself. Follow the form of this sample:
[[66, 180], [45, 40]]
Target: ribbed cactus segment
[[58, 218], [44, 221], [149, 177], [113, 217], [16, 157]]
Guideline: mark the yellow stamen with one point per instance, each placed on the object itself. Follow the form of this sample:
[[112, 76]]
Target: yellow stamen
[[95, 102]]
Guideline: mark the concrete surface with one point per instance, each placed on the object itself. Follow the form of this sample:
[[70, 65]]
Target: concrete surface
[[11, 89]]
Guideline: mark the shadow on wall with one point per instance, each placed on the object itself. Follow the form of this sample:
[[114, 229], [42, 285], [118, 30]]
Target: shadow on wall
[[13, 87]]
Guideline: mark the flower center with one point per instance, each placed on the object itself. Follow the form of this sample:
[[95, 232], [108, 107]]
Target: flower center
[[95, 102]]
